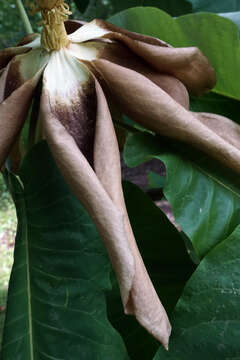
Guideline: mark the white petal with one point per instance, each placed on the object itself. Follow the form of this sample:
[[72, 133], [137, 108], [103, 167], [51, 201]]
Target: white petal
[[87, 51], [87, 32], [71, 90], [64, 75]]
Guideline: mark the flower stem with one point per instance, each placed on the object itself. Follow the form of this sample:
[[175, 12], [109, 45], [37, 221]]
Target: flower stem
[[25, 19]]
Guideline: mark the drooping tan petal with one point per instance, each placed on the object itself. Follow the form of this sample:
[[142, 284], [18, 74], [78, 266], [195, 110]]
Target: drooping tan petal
[[121, 55], [13, 112], [130, 34], [84, 182], [141, 300], [148, 104], [99, 28], [105, 205], [222, 126], [25, 45], [72, 97], [17, 85], [6, 55], [188, 65], [21, 69]]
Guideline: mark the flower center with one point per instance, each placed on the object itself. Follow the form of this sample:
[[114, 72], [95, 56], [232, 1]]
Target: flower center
[[54, 13]]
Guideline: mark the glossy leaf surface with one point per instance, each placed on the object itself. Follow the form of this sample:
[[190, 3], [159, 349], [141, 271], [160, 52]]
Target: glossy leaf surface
[[56, 301], [205, 205], [206, 320]]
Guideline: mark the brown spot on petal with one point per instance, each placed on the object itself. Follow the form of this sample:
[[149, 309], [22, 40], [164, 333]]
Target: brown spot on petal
[[27, 39], [73, 25], [79, 118], [6, 55], [14, 78]]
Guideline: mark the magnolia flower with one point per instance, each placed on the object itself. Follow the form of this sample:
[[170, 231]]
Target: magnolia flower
[[149, 80]]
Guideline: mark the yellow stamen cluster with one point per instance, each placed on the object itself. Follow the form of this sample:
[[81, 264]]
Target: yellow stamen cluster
[[54, 13]]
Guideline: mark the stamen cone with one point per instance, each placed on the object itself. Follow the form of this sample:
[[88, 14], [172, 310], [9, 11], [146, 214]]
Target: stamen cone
[[54, 13]]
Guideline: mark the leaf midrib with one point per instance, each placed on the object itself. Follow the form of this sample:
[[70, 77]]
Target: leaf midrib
[[29, 298]]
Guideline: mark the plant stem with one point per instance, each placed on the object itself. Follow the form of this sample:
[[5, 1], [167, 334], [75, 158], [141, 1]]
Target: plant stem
[[25, 19]]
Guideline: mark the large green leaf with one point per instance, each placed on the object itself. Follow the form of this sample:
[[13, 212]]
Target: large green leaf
[[167, 261], [193, 30], [56, 302], [233, 16], [206, 204], [206, 321]]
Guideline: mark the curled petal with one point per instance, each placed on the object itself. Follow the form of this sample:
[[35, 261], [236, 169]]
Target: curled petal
[[99, 28], [188, 65], [148, 104], [110, 28], [17, 85], [222, 126], [25, 45], [6, 55], [84, 182], [72, 96], [141, 299], [13, 112], [121, 55], [98, 186], [21, 69]]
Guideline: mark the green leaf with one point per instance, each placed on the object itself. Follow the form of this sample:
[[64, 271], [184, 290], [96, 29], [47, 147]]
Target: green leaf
[[167, 261], [233, 16], [215, 5], [192, 30], [206, 204], [206, 320], [173, 7], [61, 273]]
